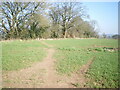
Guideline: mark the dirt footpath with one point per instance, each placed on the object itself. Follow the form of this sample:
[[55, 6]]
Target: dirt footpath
[[44, 75]]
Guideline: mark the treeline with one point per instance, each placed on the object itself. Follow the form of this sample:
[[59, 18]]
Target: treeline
[[31, 20]]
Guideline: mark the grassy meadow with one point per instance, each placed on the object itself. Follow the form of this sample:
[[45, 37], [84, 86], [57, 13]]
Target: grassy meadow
[[72, 53], [20, 54]]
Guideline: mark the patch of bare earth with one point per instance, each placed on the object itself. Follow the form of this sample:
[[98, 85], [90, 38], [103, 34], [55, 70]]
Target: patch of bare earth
[[78, 78], [44, 75], [41, 74]]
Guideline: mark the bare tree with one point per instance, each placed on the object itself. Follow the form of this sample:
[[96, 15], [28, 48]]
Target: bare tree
[[15, 15], [64, 13]]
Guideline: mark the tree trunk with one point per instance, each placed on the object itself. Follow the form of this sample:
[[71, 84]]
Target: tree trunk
[[65, 34]]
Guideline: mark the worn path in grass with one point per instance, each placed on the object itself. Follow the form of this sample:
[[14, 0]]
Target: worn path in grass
[[43, 75]]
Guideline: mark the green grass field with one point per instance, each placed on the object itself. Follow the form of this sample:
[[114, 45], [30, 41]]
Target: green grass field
[[17, 55], [72, 53], [82, 43], [75, 53], [103, 72]]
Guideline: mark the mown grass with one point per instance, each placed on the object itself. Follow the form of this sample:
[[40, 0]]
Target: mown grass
[[73, 53], [21, 54]]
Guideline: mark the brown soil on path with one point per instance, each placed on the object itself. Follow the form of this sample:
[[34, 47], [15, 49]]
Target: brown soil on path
[[77, 79], [79, 76], [44, 75], [39, 75]]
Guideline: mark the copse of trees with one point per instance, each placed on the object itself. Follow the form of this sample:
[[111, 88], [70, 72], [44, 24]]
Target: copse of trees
[[116, 36], [31, 20]]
